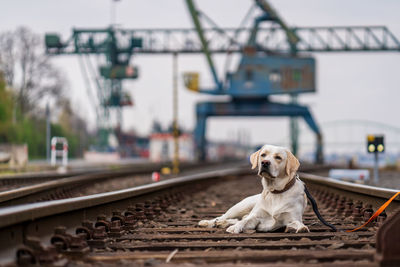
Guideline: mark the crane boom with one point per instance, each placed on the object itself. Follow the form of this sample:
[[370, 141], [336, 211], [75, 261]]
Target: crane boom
[[186, 41]]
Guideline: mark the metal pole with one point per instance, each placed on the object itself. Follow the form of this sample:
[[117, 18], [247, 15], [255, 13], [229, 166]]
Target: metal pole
[[376, 169], [175, 162], [294, 128], [204, 43], [113, 12], [48, 132]]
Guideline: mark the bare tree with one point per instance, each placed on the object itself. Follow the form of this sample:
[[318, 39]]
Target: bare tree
[[27, 69]]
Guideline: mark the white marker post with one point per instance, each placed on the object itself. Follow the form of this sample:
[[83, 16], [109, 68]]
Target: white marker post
[[59, 153]]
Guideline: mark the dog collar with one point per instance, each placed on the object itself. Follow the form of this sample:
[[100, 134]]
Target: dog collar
[[287, 186]]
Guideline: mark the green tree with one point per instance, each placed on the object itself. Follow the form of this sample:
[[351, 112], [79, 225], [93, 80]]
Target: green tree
[[27, 69], [6, 107], [26, 78]]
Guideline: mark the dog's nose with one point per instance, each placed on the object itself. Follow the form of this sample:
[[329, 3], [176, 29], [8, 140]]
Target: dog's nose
[[265, 163]]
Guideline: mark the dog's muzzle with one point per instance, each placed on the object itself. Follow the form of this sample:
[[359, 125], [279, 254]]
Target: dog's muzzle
[[265, 165]]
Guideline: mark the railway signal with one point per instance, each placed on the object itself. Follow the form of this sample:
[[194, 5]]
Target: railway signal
[[376, 145]]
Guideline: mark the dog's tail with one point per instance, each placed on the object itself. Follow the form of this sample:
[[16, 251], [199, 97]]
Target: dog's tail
[[315, 208]]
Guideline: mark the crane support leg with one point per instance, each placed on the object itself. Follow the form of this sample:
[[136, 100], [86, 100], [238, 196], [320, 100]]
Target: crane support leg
[[200, 136], [319, 157], [250, 108]]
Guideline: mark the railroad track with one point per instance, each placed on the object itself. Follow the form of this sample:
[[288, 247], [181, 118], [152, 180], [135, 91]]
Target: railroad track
[[28, 188], [14, 181], [157, 225], [9, 182]]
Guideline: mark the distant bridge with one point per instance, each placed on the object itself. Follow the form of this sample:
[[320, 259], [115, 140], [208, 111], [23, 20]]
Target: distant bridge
[[348, 136]]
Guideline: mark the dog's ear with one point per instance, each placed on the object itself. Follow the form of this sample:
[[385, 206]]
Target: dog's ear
[[292, 163], [254, 159]]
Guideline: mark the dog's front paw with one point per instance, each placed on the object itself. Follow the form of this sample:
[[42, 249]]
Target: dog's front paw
[[207, 223], [225, 223], [235, 229], [303, 229], [290, 230]]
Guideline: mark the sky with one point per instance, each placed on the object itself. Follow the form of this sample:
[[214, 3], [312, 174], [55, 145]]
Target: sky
[[358, 86]]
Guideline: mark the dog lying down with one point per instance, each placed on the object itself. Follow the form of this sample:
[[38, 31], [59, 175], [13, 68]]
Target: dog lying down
[[281, 203]]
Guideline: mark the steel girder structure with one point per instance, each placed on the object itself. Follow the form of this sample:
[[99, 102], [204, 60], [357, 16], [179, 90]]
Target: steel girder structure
[[232, 40]]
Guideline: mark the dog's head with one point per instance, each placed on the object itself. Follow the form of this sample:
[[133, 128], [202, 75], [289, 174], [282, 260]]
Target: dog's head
[[274, 162]]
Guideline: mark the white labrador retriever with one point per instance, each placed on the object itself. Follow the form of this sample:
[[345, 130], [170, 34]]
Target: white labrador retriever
[[281, 203]]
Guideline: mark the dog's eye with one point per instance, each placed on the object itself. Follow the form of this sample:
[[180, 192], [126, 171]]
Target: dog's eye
[[263, 155], [278, 158]]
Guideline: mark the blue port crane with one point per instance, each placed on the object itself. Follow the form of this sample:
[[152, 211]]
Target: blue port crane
[[275, 59], [117, 68], [264, 71]]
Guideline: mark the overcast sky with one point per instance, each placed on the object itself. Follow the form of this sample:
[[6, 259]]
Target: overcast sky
[[361, 86]]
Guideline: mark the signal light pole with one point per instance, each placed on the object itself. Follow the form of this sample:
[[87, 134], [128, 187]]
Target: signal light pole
[[48, 132], [175, 161], [375, 144]]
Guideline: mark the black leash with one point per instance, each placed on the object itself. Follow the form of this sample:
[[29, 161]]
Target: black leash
[[315, 208]]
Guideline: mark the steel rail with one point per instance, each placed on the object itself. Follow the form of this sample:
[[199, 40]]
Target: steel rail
[[40, 219], [43, 175], [25, 191], [40, 176], [370, 194], [22, 213], [365, 190], [32, 193], [348, 186]]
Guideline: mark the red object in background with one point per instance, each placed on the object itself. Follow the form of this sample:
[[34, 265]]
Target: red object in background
[[144, 153], [155, 176]]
